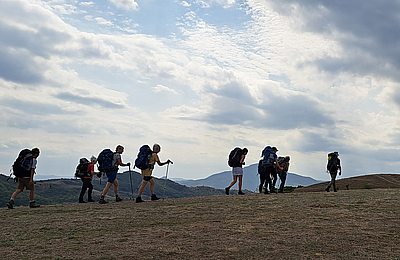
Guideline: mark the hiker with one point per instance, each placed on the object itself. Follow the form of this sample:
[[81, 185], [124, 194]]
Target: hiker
[[147, 172], [282, 167], [112, 175], [269, 163], [87, 181], [24, 169], [237, 168], [264, 178], [332, 168]]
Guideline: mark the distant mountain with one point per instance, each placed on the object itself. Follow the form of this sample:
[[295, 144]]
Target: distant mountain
[[251, 179], [55, 191]]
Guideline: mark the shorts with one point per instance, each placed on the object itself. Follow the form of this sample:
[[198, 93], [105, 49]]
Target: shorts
[[111, 176], [25, 183], [147, 178], [237, 171]]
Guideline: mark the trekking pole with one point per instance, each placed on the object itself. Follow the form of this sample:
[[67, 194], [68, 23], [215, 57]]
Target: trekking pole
[[165, 181], [130, 178]]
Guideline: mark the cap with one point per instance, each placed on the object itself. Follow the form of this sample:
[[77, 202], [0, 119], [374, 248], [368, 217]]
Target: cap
[[275, 149]]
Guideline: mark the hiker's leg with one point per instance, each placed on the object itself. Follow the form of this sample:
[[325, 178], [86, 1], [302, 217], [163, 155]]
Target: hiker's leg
[[106, 189], [83, 190], [15, 194], [283, 180], [31, 188], [116, 187], [240, 182], [141, 188], [235, 177], [333, 180], [90, 187], [262, 181], [152, 184]]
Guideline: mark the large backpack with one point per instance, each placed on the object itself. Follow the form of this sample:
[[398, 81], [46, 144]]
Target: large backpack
[[143, 157], [82, 170], [268, 157], [261, 168], [234, 157], [105, 160], [332, 162], [23, 164]]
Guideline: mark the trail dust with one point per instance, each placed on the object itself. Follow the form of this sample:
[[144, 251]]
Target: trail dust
[[354, 224]]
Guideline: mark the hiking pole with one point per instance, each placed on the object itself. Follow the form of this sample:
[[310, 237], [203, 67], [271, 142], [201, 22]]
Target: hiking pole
[[165, 181], [130, 178]]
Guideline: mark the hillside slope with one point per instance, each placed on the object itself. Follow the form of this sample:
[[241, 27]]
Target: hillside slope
[[355, 224], [67, 190], [373, 181], [250, 179]]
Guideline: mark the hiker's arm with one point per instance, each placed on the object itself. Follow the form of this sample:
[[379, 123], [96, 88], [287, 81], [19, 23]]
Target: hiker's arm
[[32, 173], [162, 163], [242, 159], [119, 162]]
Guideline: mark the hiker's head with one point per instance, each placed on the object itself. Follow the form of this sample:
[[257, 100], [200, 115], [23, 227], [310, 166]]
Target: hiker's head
[[245, 151], [336, 153], [287, 158], [156, 148], [275, 149], [119, 149], [35, 152], [93, 159]]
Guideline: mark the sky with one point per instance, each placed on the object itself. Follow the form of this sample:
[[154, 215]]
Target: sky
[[199, 78]]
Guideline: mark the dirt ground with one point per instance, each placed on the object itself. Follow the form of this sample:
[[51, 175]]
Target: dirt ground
[[353, 224]]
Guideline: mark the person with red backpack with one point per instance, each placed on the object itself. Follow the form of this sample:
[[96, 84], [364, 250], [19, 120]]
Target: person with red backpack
[[24, 168], [86, 175], [236, 161]]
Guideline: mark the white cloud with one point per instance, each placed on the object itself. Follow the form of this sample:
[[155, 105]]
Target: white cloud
[[126, 4], [164, 89]]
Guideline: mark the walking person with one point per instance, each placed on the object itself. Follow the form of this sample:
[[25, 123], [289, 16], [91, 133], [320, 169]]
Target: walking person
[[333, 168], [25, 168], [269, 163], [148, 171], [87, 181], [282, 167], [112, 175], [237, 170], [265, 179]]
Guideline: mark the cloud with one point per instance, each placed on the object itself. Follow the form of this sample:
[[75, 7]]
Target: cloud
[[126, 4], [361, 28], [163, 89], [89, 101]]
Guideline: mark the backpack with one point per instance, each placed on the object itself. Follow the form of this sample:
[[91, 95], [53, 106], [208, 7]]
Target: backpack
[[332, 162], [23, 164], [105, 160], [268, 157], [234, 157], [261, 168], [82, 170], [143, 157]]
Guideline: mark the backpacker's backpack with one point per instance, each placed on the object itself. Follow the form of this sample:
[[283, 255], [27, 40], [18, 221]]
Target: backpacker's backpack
[[105, 160], [22, 165], [82, 170], [234, 157], [332, 162], [261, 168], [268, 157], [143, 157]]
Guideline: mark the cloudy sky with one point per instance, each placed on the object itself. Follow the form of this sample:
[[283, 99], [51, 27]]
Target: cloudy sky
[[200, 77]]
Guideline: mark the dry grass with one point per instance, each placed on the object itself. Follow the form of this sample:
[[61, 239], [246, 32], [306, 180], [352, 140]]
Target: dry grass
[[359, 224]]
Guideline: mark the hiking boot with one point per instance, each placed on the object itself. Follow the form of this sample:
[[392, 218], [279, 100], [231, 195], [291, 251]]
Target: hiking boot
[[240, 193], [274, 191], [227, 191], [154, 197], [139, 199], [335, 190], [10, 204], [102, 201], [266, 192], [327, 189], [118, 199], [33, 204], [82, 201], [90, 200]]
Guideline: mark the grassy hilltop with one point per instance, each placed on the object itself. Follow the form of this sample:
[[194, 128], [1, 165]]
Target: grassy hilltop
[[350, 224]]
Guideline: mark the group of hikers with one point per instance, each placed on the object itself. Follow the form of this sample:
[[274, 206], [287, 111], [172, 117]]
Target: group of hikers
[[270, 166]]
